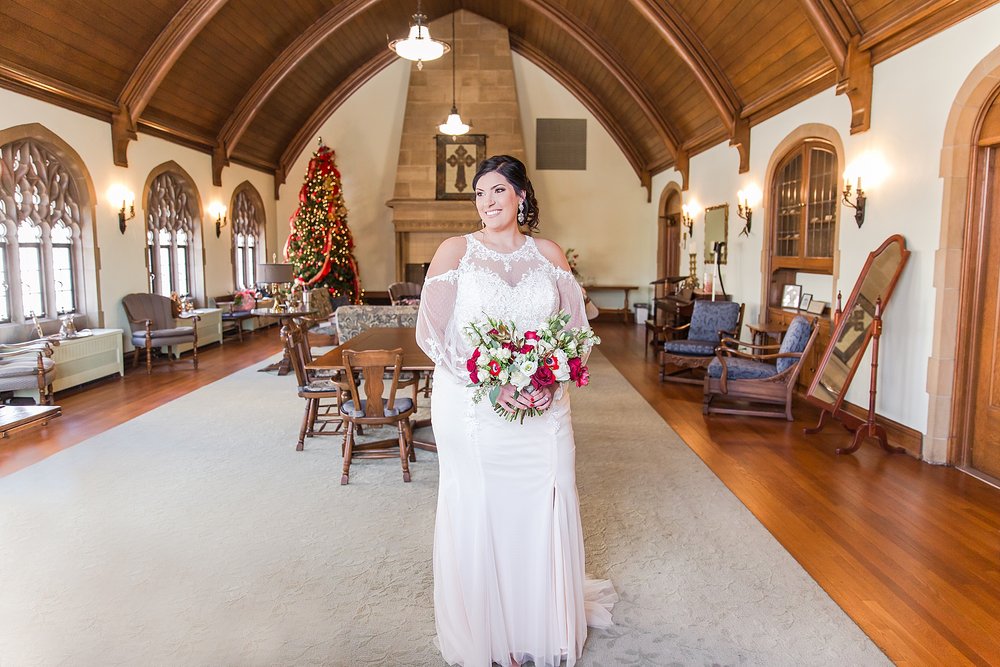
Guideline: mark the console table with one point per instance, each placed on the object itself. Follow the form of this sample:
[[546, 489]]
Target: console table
[[92, 354], [625, 289]]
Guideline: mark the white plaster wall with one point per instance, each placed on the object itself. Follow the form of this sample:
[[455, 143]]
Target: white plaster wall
[[364, 133], [912, 96], [123, 268], [602, 211]]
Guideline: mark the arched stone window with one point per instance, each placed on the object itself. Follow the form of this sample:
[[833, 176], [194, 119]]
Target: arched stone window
[[40, 226], [248, 234], [171, 224]]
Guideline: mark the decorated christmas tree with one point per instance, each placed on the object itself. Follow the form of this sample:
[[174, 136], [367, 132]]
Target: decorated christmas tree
[[320, 246]]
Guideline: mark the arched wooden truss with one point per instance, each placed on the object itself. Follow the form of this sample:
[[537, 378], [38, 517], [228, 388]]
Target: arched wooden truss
[[251, 82]]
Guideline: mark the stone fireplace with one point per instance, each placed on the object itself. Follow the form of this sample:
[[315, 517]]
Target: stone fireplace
[[487, 99]]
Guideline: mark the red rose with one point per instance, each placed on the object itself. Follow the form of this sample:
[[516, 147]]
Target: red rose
[[575, 364], [530, 335], [584, 378], [471, 366], [543, 377], [492, 332], [525, 349], [494, 367]]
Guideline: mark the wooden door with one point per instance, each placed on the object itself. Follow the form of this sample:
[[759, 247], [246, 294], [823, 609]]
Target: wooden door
[[984, 440]]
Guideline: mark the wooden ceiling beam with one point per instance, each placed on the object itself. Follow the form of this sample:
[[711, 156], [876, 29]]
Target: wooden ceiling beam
[[322, 113], [669, 23], [153, 68], [854, 64], [588, 100], [599, 50], [257, 95]]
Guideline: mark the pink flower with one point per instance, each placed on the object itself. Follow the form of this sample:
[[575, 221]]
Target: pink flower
[[584, 378], [543, 377]]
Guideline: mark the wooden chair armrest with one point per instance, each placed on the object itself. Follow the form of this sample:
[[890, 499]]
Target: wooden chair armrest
[[731, 343], [683, 327]]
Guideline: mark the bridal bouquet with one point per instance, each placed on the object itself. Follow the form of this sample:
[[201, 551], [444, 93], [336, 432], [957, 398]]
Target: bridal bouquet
[[503, 355]]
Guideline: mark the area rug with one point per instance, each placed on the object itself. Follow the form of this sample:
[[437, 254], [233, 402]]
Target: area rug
[[196, 535]]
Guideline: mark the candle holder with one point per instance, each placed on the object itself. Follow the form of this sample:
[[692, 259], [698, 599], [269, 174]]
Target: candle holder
[[692, 279]]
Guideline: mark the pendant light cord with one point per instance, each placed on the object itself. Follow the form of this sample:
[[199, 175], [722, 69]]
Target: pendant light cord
[[454, 55]]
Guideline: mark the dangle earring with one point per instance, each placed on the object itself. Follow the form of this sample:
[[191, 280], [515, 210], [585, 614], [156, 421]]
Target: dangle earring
[[520, 213]]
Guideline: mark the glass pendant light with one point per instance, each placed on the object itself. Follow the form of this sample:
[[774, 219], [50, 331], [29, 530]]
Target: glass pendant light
[[419, 45], [454, 125]]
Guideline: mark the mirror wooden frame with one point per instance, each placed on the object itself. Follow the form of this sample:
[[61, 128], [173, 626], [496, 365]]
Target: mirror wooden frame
[[710, 240], [845, 326]]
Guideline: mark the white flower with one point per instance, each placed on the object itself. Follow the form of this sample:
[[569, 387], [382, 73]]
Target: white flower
[[518, 379], [503, 354], [503, 377], [527, 365], [561, 373]]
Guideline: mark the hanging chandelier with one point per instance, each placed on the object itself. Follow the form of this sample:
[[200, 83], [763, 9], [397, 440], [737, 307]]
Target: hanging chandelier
[[419, 45], [454, 125]]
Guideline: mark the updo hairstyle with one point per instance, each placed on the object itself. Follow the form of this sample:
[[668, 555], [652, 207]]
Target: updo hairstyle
[[513, 170]]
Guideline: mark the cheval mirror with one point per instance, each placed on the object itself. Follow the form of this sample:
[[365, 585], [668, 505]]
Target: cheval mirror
[[859, 322], [716, 231]]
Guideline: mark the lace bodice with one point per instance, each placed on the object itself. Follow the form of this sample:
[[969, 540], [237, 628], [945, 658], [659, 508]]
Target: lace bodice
[[522, 286]]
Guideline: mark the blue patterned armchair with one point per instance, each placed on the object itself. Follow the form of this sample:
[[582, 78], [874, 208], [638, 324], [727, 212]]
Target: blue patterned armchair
[[710, 322], [766, 375]]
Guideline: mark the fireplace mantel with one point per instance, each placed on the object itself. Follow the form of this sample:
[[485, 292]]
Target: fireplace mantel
[[422, 224]]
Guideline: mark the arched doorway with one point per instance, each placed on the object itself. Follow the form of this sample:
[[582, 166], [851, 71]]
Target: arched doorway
[[668, 251], [964, 295]]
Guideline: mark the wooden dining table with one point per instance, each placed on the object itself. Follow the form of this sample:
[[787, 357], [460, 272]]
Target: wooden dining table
[[405, 338]]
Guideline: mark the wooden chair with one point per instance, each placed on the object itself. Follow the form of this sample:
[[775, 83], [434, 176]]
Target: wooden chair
[[233, 314], [404, 294], [27, 366], [370, 367], [766, 375], [711, 321], [151, 317], [322, 394]]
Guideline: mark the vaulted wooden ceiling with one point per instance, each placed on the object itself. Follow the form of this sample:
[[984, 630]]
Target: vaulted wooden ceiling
[[251, 81]]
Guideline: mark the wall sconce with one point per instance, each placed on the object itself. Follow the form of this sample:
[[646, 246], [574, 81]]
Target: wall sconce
[[219, 211], [688, 211], [859, 201], [745, 201], [126, 212]]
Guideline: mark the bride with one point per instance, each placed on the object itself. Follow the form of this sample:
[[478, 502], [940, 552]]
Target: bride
[[509, 577]]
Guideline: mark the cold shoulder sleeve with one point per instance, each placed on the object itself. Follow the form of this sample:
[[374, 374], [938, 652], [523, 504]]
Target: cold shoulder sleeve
[[437, 334], [571, 298]]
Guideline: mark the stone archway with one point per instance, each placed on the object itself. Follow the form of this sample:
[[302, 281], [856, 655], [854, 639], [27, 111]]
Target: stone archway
[[953, 260]]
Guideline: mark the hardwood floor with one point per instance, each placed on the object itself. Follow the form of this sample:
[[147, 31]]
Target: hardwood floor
[[910, 551]]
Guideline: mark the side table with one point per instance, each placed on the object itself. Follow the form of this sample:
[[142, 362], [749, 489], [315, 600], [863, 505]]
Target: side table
[[765, 331], [284, 365]]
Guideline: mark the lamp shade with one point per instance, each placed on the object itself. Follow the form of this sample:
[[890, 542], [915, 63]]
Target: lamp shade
[[274, 273]]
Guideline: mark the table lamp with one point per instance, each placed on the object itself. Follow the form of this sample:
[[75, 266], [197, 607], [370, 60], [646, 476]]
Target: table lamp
[[274, 275]]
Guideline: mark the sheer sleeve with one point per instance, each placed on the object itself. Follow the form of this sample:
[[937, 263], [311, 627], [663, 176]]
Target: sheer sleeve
[[571, 298], [437, 334]]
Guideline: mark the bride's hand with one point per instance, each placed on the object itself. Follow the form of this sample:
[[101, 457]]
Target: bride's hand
[[528, 398]]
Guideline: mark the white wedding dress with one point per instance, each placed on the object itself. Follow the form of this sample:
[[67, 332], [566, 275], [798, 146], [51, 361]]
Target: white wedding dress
[[509, 578]]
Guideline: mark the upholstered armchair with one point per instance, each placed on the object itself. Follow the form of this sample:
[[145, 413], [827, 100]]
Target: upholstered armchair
[[28, 366], [235, 313], [151, 318], [765, 376], [404, 294], [710, 322]]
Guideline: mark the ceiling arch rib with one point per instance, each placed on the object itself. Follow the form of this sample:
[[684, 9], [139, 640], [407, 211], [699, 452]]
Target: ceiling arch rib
[[241, 118], [603, 55], [337, 96], [679, 35], [151, 70], [592, 104]]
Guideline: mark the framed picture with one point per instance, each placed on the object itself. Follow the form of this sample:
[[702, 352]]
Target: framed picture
[[817, 307], [457, 161], [805, 302], [790, 296]]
